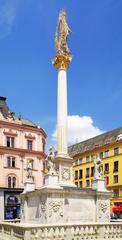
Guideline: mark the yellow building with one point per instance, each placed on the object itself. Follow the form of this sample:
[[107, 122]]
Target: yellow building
[[108, 147]]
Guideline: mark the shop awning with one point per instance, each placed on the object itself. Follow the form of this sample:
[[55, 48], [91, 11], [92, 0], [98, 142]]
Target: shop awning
[[117, 209]]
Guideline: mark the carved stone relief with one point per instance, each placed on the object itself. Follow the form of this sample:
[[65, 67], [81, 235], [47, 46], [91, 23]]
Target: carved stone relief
[[56, 207], [103, 210], [65, 174]]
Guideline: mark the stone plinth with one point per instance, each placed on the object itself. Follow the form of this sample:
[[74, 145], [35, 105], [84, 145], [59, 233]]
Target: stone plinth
[[64, 166], [99, 185], [66, 204], [51, 180], [29, 185]]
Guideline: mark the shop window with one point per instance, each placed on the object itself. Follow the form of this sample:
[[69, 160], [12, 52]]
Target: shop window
[[106, 168], [80, 173], [29, 144], [116, 192], [11, 162], [101, 155], [106, 154], [116, 166], [116, 151], [81, 184], [116, 179], [87, 159], [87, 183], [76, 174], [10, 142], [92, 171]]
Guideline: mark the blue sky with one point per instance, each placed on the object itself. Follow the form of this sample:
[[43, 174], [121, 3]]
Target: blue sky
[[28, 79]]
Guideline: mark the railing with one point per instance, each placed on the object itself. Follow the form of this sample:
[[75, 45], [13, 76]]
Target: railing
[[61, 231]]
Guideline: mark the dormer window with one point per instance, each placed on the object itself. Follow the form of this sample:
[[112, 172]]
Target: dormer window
[[10, 142]]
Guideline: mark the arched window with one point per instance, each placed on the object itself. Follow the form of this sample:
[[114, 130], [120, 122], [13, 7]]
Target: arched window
[[13, 182], [9, 182]]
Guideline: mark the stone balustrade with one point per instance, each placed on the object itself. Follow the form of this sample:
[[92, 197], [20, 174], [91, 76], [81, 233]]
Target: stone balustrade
[[11, 231]]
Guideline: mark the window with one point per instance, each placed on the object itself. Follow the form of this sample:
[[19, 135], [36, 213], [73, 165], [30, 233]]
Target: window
[[76, 174], [116, 179], [87, 172], [14, 182], [29, 144], [116, 192], [101, 155], [11, 162], [92, 158], [92, 171], [43, 144], [87, 159], [10, 142], [11, 182], [76, 162], [76, 183], [81, 184], [106, 154], [87, 183], [116, 151], [80, 161], [116, 166], [80, 173], [106, 168]]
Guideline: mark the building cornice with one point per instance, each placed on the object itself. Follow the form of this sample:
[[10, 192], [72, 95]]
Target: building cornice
[[21, 152], [17, 126]]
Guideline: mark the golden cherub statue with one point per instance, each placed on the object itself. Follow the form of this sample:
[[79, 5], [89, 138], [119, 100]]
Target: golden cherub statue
[[62, 34]]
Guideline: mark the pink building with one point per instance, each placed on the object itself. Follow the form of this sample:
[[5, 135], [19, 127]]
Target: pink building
[[20, 141]]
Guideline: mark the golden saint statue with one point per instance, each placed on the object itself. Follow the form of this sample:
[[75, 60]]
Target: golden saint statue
[[62, 34]]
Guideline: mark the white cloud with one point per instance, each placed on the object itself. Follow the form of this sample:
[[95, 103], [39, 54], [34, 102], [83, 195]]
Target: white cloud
[[80, 128], [7, 16]]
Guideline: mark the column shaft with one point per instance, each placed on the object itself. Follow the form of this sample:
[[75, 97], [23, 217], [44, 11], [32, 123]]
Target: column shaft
[[62, 113]]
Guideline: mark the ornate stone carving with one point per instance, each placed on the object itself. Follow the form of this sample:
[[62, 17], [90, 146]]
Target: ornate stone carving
[[103, 210], [65, 174], [43, 208], [56, 207]]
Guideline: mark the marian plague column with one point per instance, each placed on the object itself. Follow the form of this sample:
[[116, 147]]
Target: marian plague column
[[61, 62]]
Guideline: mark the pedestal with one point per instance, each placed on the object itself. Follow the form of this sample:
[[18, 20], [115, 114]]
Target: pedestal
[[29, 185], [99, 185], [64, 167], [51, 180]]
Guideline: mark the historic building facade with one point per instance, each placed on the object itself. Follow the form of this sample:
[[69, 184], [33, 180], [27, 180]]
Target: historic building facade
[[108, 147], [21, 141]]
